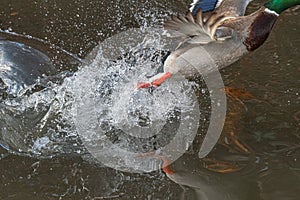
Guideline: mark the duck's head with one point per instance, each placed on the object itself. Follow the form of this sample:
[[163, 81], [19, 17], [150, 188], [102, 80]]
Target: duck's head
[[279, 6]]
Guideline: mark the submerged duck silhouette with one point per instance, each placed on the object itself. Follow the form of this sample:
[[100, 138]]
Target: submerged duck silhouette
[[215, 34], [200, 183]]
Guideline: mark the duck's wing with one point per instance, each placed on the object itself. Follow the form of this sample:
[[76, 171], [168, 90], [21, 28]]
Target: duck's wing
[[188, 27], [229, 8], [206, 17], [193, 28], [204, 23]]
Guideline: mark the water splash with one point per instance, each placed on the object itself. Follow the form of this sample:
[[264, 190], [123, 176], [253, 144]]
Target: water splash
[[45, 122], [117, 122]]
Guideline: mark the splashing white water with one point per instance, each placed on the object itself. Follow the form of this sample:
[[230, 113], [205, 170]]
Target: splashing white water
[[101, 102], [117, 122]]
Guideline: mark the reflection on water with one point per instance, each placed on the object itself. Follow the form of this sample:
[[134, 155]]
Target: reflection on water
[[256, 158]]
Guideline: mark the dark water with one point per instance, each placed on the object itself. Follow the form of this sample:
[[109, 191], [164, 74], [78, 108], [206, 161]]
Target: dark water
[[257, 156]]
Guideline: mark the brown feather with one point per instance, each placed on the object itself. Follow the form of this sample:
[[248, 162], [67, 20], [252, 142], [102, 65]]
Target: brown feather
[[190, 17], [199, 18], [182, 18], [213, 25], [176, 19]]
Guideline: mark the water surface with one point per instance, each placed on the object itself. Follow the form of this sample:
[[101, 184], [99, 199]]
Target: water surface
[[257, 156]]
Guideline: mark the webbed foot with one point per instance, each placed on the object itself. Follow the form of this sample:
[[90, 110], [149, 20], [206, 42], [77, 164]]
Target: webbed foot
[[158, 80]]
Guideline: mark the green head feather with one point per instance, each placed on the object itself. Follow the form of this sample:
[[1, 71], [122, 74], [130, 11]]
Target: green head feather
[[280, 5]]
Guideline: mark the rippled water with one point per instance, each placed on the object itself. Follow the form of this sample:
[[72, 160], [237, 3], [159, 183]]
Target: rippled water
[[42, 156]]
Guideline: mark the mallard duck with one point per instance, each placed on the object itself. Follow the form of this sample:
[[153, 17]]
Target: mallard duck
[[215, 34]]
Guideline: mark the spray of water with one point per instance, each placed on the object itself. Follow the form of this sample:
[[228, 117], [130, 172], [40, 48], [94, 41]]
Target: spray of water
[[46, 117], [98, 110], [118, 123]]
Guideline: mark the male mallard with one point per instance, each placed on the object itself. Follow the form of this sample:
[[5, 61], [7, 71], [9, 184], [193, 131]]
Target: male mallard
[[215, 34]]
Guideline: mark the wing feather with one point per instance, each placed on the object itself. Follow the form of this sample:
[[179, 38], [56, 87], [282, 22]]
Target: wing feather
[[193, 29]]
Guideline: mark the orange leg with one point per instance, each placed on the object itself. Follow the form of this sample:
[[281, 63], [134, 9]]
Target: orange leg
[[157, 82]]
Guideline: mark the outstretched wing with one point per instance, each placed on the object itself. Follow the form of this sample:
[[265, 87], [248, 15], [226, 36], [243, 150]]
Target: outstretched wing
[[188, 27], [206, 17], [195, 28]]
